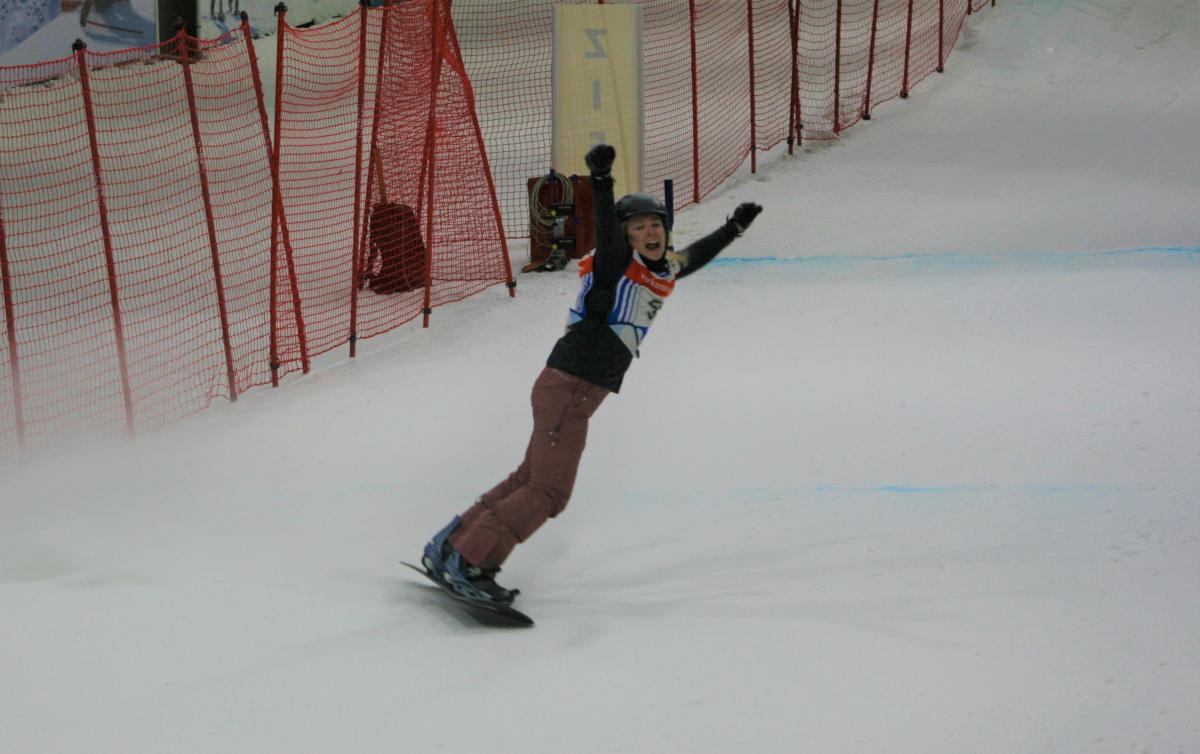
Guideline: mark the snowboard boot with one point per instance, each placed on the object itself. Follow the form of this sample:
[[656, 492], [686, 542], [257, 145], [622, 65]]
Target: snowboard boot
[[451, 568]]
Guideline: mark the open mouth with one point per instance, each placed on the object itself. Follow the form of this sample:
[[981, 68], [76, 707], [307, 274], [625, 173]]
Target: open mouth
[[652, 246]]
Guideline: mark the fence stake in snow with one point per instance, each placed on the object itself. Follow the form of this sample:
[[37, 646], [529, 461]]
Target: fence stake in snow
[[753, 114], [279, 228], [355, 249], [280, 10], [695, 106], [14, 365], [942, 35], [795, 88], [907, 49], [109, 256], [430, 158], [837, 72], [871, 61], [184, 45], [798, 15], [375, 170]]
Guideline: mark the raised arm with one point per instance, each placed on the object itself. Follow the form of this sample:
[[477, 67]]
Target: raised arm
[[612, 253]]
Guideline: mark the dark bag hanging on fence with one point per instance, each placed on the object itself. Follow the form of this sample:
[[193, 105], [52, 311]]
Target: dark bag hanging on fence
[[396, 243]]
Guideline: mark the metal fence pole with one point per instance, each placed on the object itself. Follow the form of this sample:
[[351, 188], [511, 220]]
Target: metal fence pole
[[109, 255]]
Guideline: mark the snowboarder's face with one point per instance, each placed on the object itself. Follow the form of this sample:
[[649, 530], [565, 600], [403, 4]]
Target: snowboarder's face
[[647, 235]]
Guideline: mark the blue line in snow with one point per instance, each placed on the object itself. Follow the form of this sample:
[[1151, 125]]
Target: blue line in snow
[[960, 258], [1028, 489], [906, 489]]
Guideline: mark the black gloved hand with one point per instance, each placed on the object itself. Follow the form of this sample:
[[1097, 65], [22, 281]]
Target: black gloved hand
[[600, 159], [744, 215]]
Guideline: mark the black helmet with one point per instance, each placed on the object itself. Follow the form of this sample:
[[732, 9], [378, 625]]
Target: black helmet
[[632, 205]]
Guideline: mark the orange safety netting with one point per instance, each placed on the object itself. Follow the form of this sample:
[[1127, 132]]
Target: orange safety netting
[[376, 108], [156, 252], [724, 79], [135, 206]]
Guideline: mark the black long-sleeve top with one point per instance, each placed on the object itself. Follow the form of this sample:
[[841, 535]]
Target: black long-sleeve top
[[590, 349]]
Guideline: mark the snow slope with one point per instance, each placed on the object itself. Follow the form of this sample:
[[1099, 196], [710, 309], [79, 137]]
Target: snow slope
[[913, 469]]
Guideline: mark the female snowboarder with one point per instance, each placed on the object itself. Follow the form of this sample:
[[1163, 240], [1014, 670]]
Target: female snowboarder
[[624, 286]]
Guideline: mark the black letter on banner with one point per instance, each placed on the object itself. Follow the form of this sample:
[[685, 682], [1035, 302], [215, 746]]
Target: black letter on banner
[[597, 50]]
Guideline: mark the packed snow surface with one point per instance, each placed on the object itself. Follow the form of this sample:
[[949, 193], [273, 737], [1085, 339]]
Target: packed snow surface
[[913, 468]]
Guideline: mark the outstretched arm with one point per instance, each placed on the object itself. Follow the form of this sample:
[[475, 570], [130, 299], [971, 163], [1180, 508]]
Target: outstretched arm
[[706, 249]]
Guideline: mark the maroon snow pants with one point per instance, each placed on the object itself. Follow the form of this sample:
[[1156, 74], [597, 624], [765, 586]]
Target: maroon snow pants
[[539, 489]]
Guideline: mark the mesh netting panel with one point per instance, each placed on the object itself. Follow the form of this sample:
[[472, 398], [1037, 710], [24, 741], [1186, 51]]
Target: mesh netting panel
[[65, 345], [467, 235], [956, 17], [816, 58], [130, 300], [772, 72], [236, 160], [318, 134], [507, 50], [667, 91], [113, 284], [855, 56], [506, 47], [887, 78], [924, 54], [404, 72], [723, 87], [156, 220], [423, 117]]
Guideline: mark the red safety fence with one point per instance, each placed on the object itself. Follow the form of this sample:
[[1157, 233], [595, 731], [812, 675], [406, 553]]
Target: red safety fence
[[375, 118], [135, 207], [155, 252], [725, 79]]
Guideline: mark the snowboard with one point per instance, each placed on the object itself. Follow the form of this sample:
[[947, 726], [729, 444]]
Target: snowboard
[[505, 612]]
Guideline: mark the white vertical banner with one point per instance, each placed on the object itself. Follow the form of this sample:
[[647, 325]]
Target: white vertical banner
[[597, 72]]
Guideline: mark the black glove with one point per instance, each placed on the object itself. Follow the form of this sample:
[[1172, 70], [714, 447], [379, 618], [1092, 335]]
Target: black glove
[[600, 159], [744, 215]]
